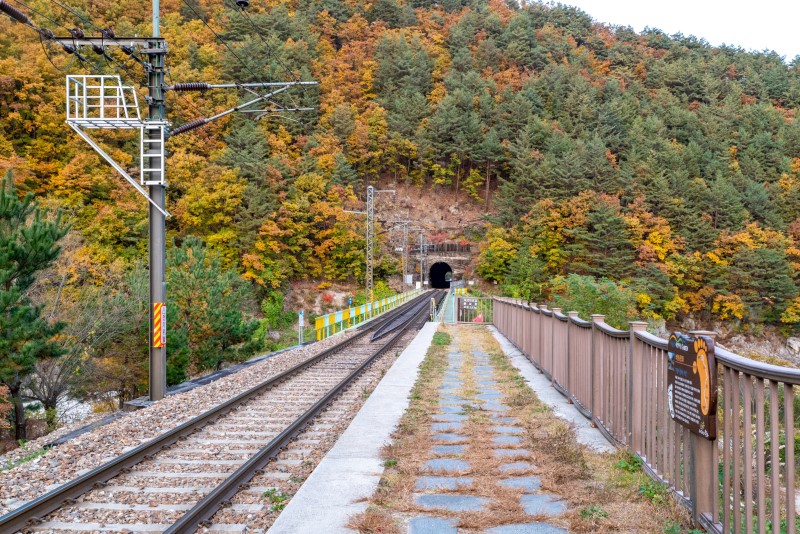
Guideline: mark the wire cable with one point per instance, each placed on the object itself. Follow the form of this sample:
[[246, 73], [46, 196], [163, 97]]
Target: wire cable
[[106, 33], [221, 40], [50, 59], [271, 53], [103, 31]]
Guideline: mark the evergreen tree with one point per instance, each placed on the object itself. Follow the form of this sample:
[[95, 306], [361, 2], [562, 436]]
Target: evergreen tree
[[28, 244], [343, 173], [206, 311], [762, 278], [605, 242], [727, 208]]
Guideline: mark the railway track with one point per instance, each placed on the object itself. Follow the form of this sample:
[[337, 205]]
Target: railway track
[[178, 481]]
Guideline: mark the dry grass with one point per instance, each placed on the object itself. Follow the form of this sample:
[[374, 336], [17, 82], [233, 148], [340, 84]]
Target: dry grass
[[375, 521], [601, 497]]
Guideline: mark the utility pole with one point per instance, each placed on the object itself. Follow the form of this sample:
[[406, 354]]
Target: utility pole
[[370, 213], [405, 253], [153, 167], [370, 243], [421, 271], [103, 102], [371, 237]]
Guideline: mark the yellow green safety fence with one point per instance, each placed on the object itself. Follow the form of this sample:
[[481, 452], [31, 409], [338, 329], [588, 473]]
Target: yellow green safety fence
[[333, 323]]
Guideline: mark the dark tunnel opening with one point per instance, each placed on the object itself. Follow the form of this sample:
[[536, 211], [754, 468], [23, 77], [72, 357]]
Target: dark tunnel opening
[[440, 275]]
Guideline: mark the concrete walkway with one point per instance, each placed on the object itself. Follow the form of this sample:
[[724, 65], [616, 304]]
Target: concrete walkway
[[349, 474]]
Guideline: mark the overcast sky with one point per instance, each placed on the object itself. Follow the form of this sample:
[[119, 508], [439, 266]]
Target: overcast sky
[[752, 25]]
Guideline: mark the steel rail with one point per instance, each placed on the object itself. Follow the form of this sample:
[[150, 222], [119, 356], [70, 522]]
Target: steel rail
[[35, 510], [204, 510]]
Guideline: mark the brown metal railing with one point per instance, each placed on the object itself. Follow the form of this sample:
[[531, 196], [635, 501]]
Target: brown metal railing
[[744, 481]]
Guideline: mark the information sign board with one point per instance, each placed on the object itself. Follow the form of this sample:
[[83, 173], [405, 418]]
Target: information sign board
[[692, 383], [469, 303]]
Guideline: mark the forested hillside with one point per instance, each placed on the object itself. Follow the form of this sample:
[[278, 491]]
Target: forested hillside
[[666, 165]]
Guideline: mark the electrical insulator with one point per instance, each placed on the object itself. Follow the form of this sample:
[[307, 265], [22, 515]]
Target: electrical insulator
[[189, 126], [77, 33], [108, 32], [99, 50], [191, 86], [47, 34], [243, 4], [69, 49], [127, 49], [14, 13]]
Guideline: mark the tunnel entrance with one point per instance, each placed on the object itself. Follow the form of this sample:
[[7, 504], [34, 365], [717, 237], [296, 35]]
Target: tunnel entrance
[[440, 275]]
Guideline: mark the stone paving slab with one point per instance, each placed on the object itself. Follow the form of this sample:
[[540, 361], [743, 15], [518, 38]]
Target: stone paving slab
[[446, 464], [507, 429], [505, 420], [453, 503], [524, 483], [431, 525], [447, 449], [516, 466], [449, 417], [507, 440], [526, 528], [544, 504]]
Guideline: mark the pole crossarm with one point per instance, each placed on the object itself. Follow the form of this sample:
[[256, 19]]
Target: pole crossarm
[[106, 41]]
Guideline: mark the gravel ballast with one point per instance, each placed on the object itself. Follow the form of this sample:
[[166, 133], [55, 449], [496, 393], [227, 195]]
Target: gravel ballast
[[64, 462]]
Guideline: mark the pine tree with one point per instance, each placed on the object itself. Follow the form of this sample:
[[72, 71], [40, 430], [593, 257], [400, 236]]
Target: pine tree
[[727, 208], [605, 241], [762, 278], [206, 310], [28, 244]]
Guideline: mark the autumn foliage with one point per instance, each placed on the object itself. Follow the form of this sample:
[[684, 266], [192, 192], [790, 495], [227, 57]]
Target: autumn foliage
[[659, 163]]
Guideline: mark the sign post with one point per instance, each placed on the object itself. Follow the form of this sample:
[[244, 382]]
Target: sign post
[[300, 317], [692, 383]]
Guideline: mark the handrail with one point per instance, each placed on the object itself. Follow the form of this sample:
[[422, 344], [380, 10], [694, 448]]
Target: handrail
[[618, 380], [760, 370], [577, 321], [611, 331], [650, 339]]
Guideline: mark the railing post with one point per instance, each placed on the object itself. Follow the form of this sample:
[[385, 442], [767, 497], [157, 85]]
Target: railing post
[[553, 322], [703, 478], [593, 363], [570, 328], [542, 307], [634, 389]]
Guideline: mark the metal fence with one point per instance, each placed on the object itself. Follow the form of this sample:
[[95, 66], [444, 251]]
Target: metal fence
[[743, 481], [476, 310], [338, 321]]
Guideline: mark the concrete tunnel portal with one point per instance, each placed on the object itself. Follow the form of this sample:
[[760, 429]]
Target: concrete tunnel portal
[[440, 275]]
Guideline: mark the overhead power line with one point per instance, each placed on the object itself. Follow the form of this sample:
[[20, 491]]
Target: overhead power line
[[220, 39]]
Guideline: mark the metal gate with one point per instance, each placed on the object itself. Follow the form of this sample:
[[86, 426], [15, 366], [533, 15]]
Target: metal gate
[[474, 310]]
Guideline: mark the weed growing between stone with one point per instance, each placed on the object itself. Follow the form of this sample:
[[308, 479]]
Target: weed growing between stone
[[603, 492]]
